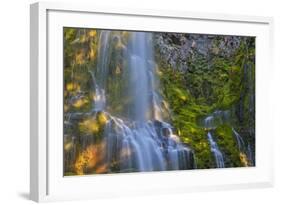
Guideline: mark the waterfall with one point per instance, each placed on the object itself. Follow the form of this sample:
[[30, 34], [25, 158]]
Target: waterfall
[[243, 148], [220, 117], [249, 154], [140, 89], [99, 100], [239, 140], [140, 141], [104, 56], [211, 122], [215, 150]]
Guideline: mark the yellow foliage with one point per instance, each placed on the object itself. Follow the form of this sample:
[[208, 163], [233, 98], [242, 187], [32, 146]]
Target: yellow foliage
[[90, 126], [68, 146], [72, 86], [183, 97], [79, 164], [186, 140], [92, 33], [80, 102], [244, 159], [92, 54], [90, 159], [204, 144], [102, 118], [79, 57], [180, 94]]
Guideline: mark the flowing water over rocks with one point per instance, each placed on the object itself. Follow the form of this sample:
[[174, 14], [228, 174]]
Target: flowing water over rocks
[[140, 141], [216, 151], [211, 122], [144, 101]]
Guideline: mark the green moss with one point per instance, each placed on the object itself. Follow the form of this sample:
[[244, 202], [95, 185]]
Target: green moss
[[228, 145], [185, 114], [216, 83], [211, 82]]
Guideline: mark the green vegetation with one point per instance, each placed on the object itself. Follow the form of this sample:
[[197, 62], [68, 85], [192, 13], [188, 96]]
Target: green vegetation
[[212, 81]]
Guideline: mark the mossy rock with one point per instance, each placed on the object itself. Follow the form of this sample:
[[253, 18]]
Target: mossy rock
[[228, 145]]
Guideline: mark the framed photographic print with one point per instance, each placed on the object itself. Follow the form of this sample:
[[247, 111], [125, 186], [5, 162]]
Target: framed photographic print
[[127, 102]]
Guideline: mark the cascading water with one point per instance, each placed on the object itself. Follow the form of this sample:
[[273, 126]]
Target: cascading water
[[140, 141], [249, 154], [211, 122], [104, 56], [243, 148], [216, 151], [139, 70], [239, 140], [216, 119], [99, 100]]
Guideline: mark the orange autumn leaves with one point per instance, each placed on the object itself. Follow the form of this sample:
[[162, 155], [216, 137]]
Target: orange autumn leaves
[[91, 160]]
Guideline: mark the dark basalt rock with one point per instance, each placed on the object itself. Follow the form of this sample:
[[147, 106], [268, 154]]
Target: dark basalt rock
[[175, 49]]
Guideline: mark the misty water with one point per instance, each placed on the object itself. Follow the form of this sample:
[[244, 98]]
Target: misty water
[[142, 142], [144, 101], [210, 123]]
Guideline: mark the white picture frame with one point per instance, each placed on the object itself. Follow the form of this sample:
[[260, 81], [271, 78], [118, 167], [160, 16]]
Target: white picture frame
[[46, 178]]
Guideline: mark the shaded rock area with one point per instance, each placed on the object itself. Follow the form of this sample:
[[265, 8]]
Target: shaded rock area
[[203, 75], [178, 49]]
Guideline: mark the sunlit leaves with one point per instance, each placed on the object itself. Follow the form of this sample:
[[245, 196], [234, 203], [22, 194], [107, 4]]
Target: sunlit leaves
[[92, 54], [72, 87], [92, 33], [70, 33], [68, 146], [244, 159], [186, 140], [90, 160], [80, 102], [90, 126], [208, 83], [181, 94], [93, 125], [80, 57], [80, 50], [102, 118]]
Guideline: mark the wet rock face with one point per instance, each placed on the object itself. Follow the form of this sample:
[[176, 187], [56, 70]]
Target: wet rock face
[[178, 49]]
